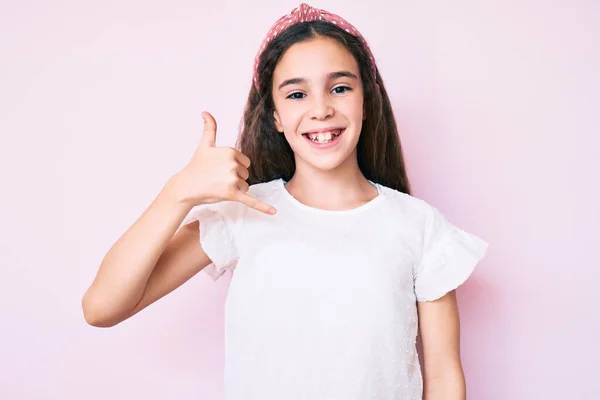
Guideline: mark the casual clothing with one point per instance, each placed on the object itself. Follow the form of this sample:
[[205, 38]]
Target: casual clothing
[[322, 304]]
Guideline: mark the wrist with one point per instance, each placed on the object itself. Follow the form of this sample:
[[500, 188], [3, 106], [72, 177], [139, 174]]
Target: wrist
[[174, 192]]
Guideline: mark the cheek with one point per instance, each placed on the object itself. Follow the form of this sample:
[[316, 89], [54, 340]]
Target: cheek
[[359, 108], [352, 108], [290, 118]]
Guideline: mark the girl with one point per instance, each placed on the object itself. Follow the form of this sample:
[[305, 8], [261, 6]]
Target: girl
[[333, 258]]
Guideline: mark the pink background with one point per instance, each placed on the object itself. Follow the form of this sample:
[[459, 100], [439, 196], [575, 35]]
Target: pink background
[[100, 103]]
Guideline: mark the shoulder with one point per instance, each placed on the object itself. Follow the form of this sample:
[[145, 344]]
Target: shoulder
[[230, 212], [431, 222], [265, 190], [430, 225], [237, 210], [407, 204]]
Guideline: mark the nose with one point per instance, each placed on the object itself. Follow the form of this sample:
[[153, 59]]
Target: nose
[[320, 108]]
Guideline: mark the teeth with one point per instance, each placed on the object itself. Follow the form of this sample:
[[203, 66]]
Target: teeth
[[324, 137], [321, 138]]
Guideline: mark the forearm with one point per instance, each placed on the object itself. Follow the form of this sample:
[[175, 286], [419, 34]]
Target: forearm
[[448, 385], [126, 268]]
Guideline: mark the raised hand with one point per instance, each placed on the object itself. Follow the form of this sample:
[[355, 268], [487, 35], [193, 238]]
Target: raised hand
[[217, 174]]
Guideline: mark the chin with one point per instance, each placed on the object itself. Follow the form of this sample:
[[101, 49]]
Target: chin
[[323, 162]]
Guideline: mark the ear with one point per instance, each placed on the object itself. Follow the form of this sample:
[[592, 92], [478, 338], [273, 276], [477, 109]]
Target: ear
[[278, 125]]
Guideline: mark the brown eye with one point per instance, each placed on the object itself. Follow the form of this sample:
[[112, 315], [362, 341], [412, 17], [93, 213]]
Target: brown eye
[[341, 89], [296, 96]]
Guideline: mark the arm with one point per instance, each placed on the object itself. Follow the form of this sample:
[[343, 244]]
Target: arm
[[151, 260], [147, 262], [440, 337]]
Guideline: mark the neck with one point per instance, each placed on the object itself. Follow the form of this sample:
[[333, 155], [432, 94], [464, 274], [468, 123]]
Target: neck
[[344, 187]]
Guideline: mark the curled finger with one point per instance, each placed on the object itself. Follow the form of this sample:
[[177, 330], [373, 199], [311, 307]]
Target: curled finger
[[243, 186], [242, 172]]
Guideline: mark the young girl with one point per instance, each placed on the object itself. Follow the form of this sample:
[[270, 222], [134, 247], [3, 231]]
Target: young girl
[[332, 258]]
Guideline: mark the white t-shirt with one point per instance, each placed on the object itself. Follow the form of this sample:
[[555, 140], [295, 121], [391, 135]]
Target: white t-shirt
[[322, 304]]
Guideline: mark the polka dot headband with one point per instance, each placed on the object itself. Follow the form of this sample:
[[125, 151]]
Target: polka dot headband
[[305, 13]]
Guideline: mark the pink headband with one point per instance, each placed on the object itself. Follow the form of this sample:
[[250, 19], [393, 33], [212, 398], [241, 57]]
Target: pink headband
[[307, 13]]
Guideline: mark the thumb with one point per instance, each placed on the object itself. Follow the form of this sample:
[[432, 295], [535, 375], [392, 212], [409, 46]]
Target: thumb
[[209, 135]]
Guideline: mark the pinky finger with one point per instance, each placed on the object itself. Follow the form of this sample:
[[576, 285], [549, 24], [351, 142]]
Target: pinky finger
[[255, 203]]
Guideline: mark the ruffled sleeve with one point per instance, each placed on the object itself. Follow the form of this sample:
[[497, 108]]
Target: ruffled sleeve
[[448, 258], [219, 225]]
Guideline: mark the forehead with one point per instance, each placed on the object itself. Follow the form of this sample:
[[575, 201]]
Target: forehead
[[313, 58]]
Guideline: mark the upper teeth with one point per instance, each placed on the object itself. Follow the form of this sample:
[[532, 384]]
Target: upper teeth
[[324, 136]]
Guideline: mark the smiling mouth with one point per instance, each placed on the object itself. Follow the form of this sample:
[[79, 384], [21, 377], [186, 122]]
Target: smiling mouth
[[324, 137]]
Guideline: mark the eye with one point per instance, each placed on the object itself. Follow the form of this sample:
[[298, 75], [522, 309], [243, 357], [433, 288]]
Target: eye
[[341, 89], [296, 96]]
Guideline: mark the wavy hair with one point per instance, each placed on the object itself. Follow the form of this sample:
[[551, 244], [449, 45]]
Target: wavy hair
[[379, 151]]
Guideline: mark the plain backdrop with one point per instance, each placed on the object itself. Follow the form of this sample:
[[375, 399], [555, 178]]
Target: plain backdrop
[[497, 105]]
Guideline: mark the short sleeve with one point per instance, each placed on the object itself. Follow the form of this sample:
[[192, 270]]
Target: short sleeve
[[448, 257], [220, 237]]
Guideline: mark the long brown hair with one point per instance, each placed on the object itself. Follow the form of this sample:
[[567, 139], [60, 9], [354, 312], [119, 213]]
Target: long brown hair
[[379, 151]]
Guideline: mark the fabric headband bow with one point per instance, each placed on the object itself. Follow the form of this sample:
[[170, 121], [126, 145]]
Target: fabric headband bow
[[306, 13]]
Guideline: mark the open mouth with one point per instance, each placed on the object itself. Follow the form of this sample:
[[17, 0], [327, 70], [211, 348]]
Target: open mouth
[[324, 137]]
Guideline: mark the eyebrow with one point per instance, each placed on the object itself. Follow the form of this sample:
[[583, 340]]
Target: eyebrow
[[330, 76]]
